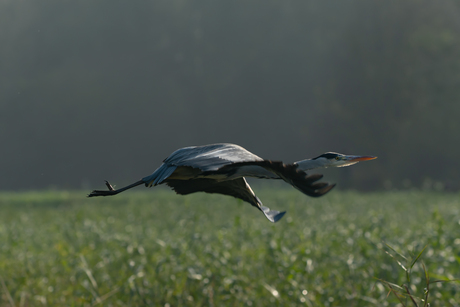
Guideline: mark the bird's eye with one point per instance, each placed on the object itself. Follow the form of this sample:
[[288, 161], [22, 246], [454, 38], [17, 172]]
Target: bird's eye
[[337, 158]]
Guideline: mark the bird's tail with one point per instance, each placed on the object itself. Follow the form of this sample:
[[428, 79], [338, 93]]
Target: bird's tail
[[112, 191], [160, 174]]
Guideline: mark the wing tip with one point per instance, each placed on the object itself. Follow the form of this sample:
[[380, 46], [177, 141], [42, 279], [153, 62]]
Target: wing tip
[[326, 189], [273, 215]]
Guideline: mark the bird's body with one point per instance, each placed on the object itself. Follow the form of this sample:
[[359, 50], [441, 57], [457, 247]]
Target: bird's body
[[222, 168], [200, 162]]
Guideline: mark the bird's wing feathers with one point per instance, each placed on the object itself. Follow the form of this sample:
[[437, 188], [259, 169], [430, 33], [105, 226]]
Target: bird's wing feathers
[[210, 157], [160, 174], [226, 158], [236, 188], [207, 158], [290, 173], [300, 180]]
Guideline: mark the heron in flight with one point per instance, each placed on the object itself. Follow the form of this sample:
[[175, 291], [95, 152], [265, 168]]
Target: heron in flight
[[222, 168]]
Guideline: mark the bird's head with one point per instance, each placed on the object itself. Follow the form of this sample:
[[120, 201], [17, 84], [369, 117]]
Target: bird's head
[[334, 159]]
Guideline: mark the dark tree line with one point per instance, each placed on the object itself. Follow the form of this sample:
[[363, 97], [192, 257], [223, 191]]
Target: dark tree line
[[94, 90]]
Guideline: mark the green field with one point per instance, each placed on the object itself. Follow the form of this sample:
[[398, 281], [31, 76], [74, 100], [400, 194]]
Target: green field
[[154, 248]]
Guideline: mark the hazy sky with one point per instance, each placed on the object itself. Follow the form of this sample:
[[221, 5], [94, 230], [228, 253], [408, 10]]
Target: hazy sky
[[106, 90]]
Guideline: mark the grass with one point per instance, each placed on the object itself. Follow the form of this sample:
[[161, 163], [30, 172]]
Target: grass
[[153, 248]]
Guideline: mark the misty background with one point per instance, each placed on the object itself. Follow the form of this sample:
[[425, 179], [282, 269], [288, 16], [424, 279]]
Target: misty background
[[96, 90]]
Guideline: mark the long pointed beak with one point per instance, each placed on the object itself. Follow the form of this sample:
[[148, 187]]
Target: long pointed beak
[[360, 158]]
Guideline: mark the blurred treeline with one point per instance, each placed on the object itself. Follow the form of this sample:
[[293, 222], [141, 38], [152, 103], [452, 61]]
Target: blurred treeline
[[94, 90]]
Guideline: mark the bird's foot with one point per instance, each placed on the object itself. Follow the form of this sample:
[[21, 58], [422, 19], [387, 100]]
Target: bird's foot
[[109, 186], [103, 193]]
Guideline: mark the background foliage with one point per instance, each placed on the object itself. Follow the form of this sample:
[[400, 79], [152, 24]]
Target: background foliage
[[93, 90], [210, 250]]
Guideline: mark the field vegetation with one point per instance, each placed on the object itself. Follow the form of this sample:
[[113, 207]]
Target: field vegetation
[[154, 248]]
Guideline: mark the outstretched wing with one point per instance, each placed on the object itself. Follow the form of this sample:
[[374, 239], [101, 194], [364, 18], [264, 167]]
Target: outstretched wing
[[290, 173], [238, 188], [205, 158], [228, 159], [210, 157]]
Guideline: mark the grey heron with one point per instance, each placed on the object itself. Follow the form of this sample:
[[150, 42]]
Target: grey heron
[[222, 168]]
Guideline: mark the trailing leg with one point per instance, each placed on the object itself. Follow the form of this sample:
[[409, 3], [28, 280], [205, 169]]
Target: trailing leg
[[112, 191]]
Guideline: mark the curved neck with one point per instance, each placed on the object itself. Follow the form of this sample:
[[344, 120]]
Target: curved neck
[[308, 164]]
